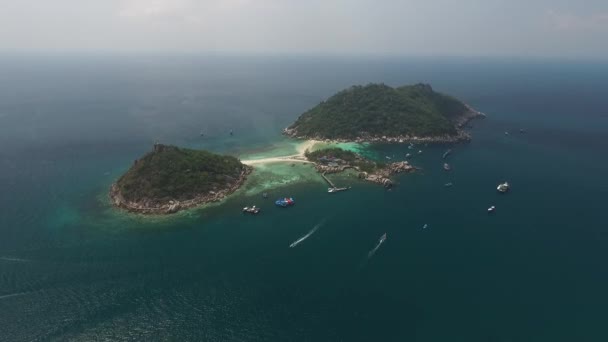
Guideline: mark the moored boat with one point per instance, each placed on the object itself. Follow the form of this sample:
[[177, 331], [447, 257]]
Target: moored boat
[[491, 209], [251, 210], [285, 202], [447, 167], [504, 187]]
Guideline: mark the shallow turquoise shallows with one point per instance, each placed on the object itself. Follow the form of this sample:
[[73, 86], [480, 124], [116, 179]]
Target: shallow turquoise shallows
[[73, 268]]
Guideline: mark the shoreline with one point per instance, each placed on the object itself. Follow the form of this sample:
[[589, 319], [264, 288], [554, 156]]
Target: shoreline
[[294, 158], [461, 134], [173, 206]]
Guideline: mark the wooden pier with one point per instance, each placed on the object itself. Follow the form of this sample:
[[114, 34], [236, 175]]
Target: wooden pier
[[333, 188], [331, 184]]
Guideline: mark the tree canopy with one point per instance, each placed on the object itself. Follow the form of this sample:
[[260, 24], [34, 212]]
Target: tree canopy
[[378, 110], [171, 172]]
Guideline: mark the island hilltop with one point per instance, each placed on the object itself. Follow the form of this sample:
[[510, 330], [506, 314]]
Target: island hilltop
[[379, 113], [169, 179]]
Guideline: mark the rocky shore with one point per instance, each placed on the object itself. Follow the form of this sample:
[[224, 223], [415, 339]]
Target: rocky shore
[[150, 206], [380, 176], [383, 176], [460, 136]]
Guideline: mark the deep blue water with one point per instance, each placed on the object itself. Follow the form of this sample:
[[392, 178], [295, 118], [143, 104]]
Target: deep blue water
[[72, 268]]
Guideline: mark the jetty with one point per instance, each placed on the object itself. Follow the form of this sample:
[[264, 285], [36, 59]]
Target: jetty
[[332, 187]]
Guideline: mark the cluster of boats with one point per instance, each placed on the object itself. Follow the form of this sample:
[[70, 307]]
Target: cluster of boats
[[281, 202]]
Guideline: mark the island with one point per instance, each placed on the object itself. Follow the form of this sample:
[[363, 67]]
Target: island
[[380, 113], [334, 160], [170, 178]]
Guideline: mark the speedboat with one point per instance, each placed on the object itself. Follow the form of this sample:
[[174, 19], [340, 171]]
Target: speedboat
[[447, 166], [491, 209], [251, 210], [419, 151], [506, 133], [408, 155], [425, 226], [331, 190], [382, 238], [285, 202], [504, 187], [447, 185], [265, 195]]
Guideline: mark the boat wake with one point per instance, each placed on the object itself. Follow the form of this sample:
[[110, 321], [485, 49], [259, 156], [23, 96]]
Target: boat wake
[[11, 259], [373, 251], [312, 231]]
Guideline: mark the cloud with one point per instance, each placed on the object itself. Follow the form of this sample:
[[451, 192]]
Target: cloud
[[575, 22], [155, 8]]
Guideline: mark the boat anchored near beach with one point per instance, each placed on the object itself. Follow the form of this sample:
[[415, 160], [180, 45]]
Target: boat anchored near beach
[[251, 210], [285, 202], [334, 190]]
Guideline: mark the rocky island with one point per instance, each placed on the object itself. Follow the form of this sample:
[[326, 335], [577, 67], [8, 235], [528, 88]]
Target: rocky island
[[170, 178], [379, 113], [334, 160]]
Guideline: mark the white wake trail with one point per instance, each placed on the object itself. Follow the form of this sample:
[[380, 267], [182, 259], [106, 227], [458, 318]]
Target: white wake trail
[[312, 231]]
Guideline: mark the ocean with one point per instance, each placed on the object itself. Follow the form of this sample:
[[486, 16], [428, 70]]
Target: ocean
[[72, 268]]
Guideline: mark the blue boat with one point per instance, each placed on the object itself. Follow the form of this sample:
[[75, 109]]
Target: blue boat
[[285, 202]]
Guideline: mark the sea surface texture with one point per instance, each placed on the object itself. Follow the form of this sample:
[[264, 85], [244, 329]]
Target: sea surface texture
[[72, 268]]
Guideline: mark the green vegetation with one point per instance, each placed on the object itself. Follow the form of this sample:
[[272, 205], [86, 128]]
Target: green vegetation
[[379, 110], [341, 156], [170, 173]]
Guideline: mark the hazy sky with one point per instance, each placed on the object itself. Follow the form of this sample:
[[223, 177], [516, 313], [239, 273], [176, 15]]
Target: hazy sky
[[559, 28]]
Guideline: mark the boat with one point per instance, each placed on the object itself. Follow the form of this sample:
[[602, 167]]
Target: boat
[[447, 166], [425, 226], [231, 132], [334, 190], [382, 238], [521, 130], [506, 133], [251, 210], [447, 185], [419, 151], [265, 195], [285, 202], [491, 209], [447, 153], [387, 157], [408, 155], [202, 134], [504, 187]]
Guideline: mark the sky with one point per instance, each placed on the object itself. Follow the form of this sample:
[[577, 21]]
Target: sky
[[553, 28]]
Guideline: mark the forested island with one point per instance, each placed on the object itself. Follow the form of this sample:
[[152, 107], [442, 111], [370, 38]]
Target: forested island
[[377, 112], [170, 178], [334, 160]]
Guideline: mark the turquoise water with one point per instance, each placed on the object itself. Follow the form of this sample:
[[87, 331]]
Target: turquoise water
[[73, 268]]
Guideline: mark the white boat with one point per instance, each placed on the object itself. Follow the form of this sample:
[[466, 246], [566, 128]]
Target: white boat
[[382, 238], [419, 151], [504, 187], [408, 155], [251, 210], [447, 167], [447, 185], [425, 226], [491, 209]]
